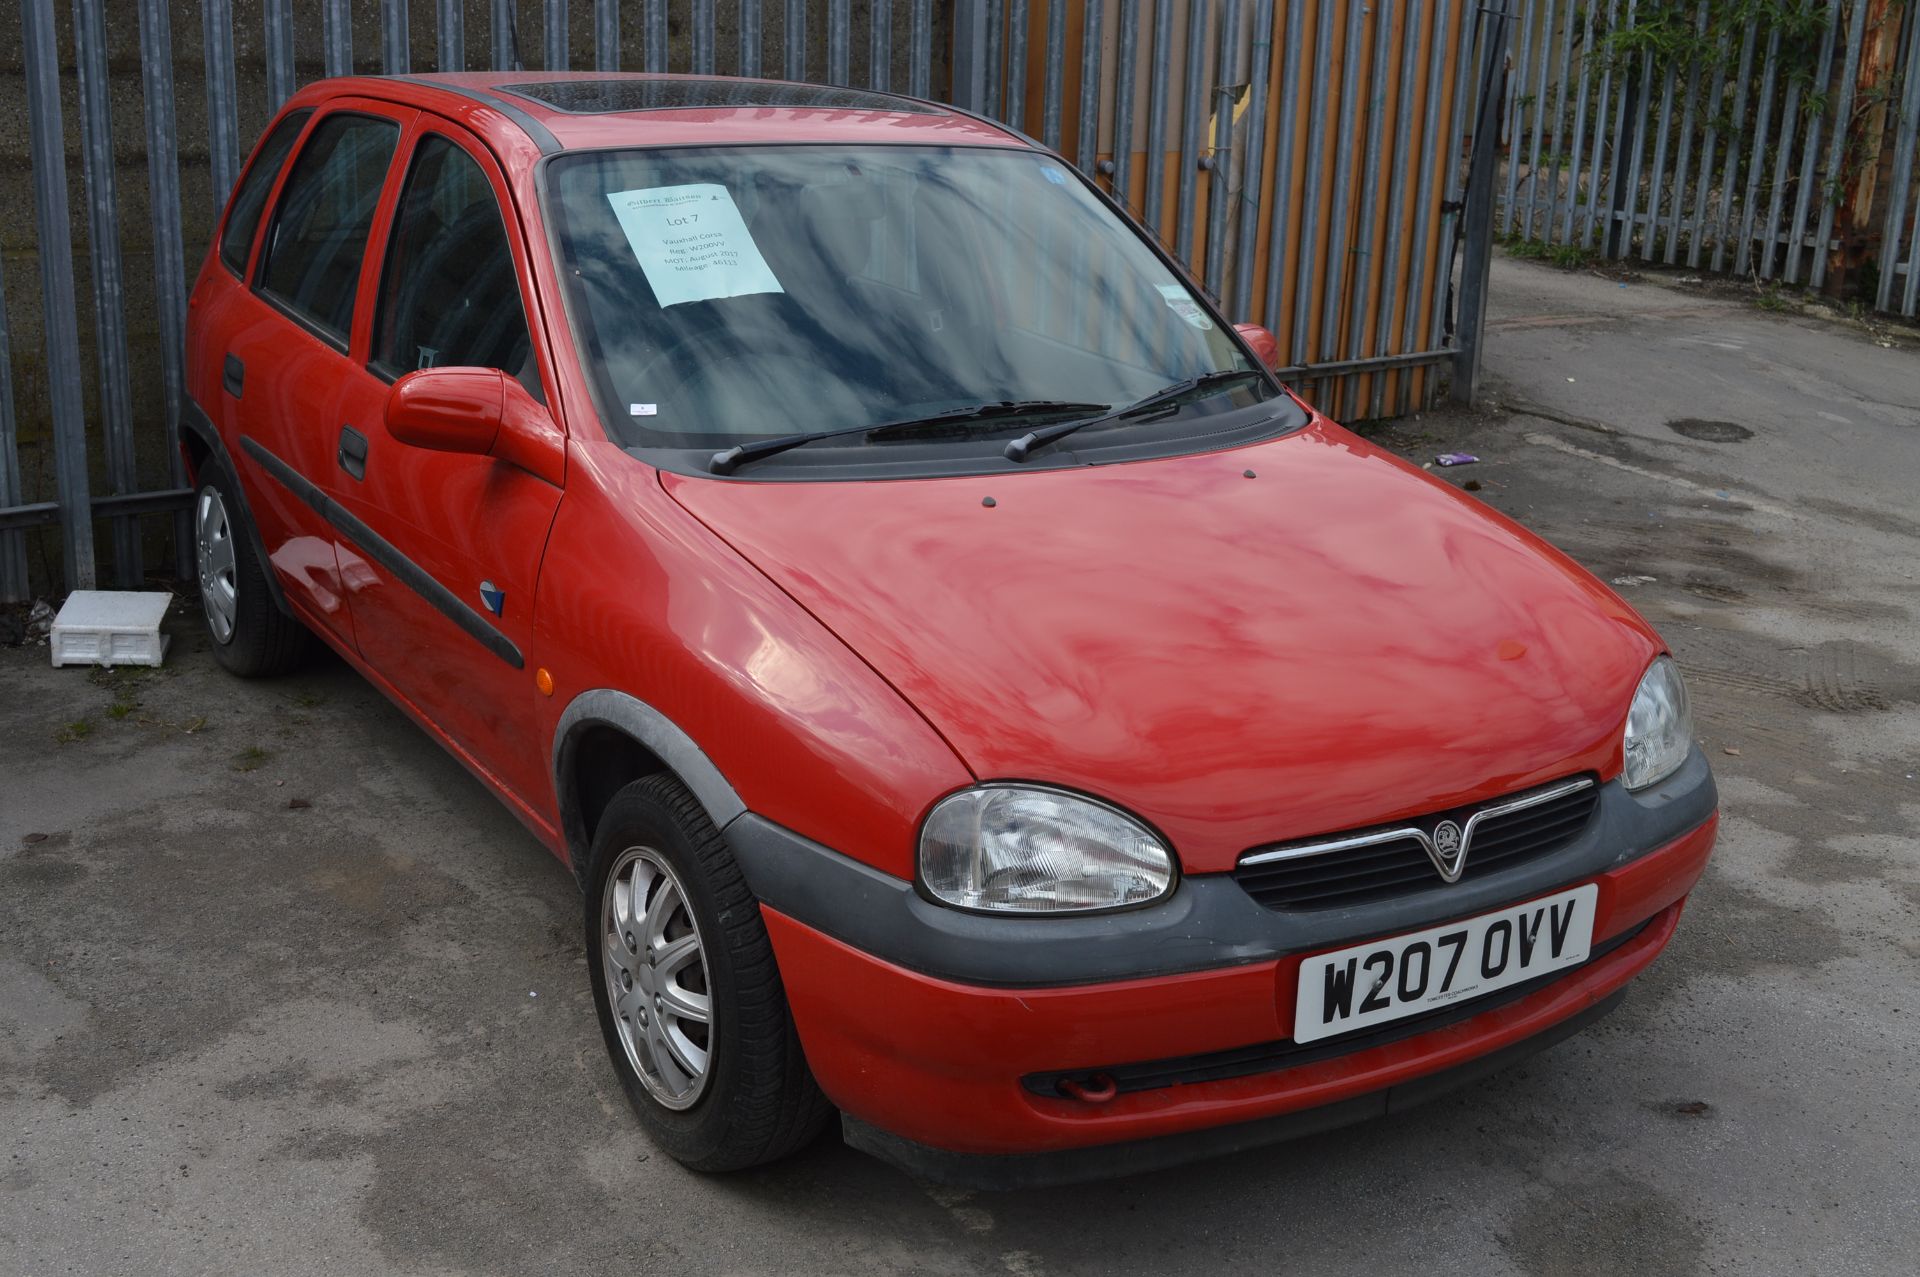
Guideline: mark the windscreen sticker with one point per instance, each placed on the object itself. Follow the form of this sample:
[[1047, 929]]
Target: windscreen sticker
[[1181, 304], [692, 243], [642, 409]]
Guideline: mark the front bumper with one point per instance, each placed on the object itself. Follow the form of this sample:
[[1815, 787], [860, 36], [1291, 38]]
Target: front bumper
[[1009, 1171], [934, 1041]]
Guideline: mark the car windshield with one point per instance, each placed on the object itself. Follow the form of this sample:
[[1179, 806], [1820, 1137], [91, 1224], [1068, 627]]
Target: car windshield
[[724, 295]]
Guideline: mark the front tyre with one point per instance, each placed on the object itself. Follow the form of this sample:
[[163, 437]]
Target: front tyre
[[684, 981], [251, 636]]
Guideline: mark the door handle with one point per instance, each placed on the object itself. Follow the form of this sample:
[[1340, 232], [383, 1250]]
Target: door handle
[[234, 375], [353, 452]]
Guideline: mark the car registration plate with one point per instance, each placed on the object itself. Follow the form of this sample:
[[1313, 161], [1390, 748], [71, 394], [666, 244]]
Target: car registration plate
[[1390, 979]]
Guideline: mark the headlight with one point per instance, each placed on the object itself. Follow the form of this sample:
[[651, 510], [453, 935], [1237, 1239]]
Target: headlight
[[1023, 849], [1659, 726]]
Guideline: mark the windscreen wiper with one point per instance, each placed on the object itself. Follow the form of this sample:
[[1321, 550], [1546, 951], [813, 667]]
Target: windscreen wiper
[[1019, 449], [731, 459]]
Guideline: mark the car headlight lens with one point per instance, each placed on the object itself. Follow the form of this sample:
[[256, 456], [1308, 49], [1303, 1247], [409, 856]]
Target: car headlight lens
[[1023, 849], [1659, 726]]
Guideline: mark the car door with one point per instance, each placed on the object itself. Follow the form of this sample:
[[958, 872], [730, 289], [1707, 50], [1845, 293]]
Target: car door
[[281, 342], [443, 599]]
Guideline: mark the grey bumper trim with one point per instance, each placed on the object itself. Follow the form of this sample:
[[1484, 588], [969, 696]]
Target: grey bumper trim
[[1209, 921]]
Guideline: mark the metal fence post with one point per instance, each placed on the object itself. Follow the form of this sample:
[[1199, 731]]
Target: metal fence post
[[1623, 192], [396, 47], [970, 55], [750, 38], [1477, 217], [505, 36], [795, 43], [169, 254], [13, 543], [606, 35], [920, 48], [109, 281], [553, 32], [336, 37], [54, 224], [276, 21], [223, 112], [451, 52]]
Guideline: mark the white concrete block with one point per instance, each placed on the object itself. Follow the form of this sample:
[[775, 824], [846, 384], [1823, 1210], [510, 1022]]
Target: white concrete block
[[110, 627]]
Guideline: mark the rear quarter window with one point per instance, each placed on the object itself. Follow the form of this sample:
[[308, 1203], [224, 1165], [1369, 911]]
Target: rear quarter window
[[311, 263], [250, 196]]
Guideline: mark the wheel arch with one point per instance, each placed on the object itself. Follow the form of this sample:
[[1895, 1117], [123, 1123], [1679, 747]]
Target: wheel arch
[[201, 443], [607, 739]]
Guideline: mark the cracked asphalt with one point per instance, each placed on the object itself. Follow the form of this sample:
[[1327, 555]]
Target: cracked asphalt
[[283, 990]]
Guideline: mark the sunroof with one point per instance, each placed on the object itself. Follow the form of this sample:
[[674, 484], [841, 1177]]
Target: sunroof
[[602, 97]]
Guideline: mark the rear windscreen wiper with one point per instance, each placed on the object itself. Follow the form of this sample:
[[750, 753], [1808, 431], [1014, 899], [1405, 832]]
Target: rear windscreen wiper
[[1019, 449], [731, 459]]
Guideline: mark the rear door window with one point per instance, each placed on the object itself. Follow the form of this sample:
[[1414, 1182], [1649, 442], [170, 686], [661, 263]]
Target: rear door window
[[311, 264], [250, 197], [449, 296]]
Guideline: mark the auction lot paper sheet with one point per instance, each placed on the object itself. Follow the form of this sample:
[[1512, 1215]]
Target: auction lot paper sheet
[[692, 243]]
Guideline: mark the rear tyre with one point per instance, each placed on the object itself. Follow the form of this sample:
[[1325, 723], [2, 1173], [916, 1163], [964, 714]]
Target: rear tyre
[[251, 636], [684, 981]]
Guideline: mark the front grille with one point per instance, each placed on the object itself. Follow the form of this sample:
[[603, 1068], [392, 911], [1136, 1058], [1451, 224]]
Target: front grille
[[1386, 869]]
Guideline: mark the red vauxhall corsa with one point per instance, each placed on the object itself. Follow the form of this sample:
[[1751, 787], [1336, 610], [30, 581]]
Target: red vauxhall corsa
[[974, 695]]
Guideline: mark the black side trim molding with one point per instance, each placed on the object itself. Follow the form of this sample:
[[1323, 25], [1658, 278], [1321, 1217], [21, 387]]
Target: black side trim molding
[[382, 551], [195, 421], [542, 136], [1008, 1172]]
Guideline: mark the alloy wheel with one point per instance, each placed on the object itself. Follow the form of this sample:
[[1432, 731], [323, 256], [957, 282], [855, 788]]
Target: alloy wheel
[[656, 972], [219, 576]]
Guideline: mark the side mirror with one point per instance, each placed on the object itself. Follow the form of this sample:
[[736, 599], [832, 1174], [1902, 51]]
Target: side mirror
[[480, 411], [1264, 344], [447, 409]]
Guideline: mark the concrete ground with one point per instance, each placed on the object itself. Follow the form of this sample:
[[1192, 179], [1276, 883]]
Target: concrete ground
[[282, 990]]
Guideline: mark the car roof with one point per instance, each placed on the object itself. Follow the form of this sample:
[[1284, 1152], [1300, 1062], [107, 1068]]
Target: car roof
[[545, 112]]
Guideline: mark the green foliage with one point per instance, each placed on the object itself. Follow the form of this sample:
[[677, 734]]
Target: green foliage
[[251, 758], [1565, 256], [1684, 45], [1669, 34]]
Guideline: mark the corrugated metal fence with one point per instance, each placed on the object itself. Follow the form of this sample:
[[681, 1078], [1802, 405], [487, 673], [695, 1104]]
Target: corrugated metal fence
[[1775, 140], [1304, 156], [1301, 155]]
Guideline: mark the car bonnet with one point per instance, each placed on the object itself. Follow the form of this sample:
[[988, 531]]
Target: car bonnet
[[1243, 646]]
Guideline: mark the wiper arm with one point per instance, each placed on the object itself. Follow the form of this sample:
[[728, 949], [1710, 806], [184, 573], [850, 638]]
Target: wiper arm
[[731, 459], [984, 412], [1019, 449]]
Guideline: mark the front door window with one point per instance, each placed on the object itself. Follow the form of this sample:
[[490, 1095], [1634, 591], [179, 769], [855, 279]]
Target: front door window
[[449, 297]]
